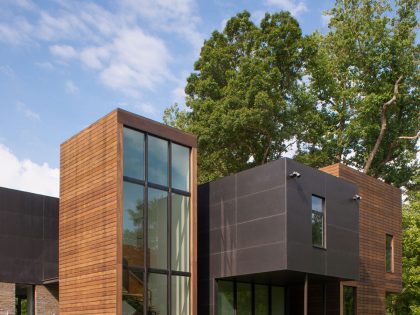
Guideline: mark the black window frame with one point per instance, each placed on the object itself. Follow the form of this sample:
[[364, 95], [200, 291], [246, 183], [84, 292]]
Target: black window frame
[[146, 184], [323, 214], [389, 253]]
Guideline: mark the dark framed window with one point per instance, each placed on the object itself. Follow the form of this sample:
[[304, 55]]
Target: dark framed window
[[349, 300], [241, 298], [156, 225], [318, 221], [389, 248]]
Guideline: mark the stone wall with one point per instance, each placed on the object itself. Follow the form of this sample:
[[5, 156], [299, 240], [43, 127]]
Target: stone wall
[[46, 300], [7, 298]]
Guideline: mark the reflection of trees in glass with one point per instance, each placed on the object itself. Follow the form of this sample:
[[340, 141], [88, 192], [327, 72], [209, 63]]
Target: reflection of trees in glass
[[244, 299], [133, 292], [135, 237], [261, 300], [317, 228], [157, 213], [349, 303]]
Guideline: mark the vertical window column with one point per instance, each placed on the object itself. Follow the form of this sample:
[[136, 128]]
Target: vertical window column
[[318, 222], [389, 248], [156, 226]]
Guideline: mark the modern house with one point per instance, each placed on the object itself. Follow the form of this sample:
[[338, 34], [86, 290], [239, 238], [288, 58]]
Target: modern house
[[138, 236]]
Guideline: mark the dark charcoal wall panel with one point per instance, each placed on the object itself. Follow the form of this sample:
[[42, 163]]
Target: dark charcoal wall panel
[[28, 237], [340, 258]]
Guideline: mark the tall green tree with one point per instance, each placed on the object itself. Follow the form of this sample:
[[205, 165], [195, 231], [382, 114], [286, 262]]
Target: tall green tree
[[408, 302], [239, 96], [362, 94]]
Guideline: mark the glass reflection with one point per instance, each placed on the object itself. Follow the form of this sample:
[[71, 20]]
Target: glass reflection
[[157, 289], [180, 240], [180, 295], [157, 228], [225, 298], [133, 293], [261, 299], [157, 161], [180, 167], [133, 154], [277, 301], [133, 230], [244, 299]]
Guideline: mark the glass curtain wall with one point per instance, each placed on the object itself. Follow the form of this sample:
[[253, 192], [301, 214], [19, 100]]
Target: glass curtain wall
[[238, 298], [156, 229]]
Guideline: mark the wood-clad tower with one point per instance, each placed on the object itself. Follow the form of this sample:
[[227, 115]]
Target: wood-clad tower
[[380, 235], [127, 231]]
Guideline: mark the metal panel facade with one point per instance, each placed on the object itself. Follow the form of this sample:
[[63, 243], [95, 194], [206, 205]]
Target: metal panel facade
[[28, 237]]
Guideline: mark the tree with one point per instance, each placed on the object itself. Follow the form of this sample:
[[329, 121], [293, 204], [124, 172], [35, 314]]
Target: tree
[[408, 302], [362, 93], [239, 96]]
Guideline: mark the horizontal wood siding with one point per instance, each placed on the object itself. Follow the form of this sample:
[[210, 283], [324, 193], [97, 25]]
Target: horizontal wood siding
[[89, 210], [379, 214]]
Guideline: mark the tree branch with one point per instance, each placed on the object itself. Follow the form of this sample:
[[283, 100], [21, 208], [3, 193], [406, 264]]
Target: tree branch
[[383, 126], [410, 138]]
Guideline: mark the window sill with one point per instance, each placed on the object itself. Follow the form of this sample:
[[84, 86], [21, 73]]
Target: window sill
[[319, 247]]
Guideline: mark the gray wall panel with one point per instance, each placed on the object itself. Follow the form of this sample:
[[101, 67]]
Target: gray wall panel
[[28, 237]]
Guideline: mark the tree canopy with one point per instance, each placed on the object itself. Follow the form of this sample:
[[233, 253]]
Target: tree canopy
[[345, 96]]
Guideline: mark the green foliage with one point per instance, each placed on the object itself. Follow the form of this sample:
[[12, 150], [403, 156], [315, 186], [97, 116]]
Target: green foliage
[[257, 88], [408, 302], [239, 96], [352, 72]]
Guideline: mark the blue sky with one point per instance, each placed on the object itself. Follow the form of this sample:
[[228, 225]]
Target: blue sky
[[64, 64]]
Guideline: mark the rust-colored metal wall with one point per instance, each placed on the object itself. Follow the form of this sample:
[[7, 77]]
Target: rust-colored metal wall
[[379, 214]]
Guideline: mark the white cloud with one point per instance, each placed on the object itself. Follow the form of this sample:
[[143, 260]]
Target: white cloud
[[63, 51], [7, 71], [126, 57], [27, 112], [325, 20], [295, 8], [172, 16], [146, 109], [27, 175], [71, 87], [45, 65]]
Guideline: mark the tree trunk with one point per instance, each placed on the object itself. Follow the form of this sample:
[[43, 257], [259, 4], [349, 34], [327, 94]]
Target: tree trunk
[[383, 127]]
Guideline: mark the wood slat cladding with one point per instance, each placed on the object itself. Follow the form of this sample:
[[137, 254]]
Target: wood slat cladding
[[90, 249], [379, 214], [88, 216]]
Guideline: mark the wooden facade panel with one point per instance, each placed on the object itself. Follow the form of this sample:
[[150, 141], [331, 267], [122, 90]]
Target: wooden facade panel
[[379, 214], [88, 216], [90, 262]]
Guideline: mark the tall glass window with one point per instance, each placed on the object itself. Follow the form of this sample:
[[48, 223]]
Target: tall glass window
[[157, 159], [318, 233], [225, 298], [133, 292], [133, 154], [180, 167], [277, 301], [261, 300], [349, 300], [244, 299], [133, 225], [156, 216], [389, 253], [180, 293], [157, 289], [180, 233]]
